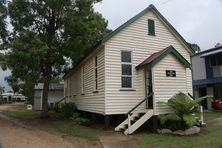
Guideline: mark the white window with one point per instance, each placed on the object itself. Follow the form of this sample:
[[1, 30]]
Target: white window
[[95, 73], [82, 79], [126, 78]]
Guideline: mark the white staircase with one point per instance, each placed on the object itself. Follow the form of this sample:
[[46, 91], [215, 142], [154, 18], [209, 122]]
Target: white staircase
[[134, 121]]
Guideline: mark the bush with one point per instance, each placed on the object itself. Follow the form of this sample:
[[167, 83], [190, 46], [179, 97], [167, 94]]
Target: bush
[[67, 109], [80, 120], [183, 107], [56, 107]]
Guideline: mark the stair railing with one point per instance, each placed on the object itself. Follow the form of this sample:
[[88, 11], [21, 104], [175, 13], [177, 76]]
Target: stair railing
[[129, 112]]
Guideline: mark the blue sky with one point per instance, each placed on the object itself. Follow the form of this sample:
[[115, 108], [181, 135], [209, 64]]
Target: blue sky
[[198, 21]]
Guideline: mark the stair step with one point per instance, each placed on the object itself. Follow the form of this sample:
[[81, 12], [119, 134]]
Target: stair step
[[126, 126], [141, 114], [136, 118], [122, 129]]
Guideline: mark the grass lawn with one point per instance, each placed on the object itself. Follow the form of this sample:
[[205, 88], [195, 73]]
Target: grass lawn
[[69, 128], [21, 112], [211, 138]]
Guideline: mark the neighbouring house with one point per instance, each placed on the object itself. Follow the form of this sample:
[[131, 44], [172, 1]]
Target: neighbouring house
[[55, 93], [12, 97], [141, 63], [207, 75]]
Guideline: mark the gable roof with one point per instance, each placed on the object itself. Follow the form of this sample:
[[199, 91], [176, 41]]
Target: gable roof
[[113, 33], [158, 56], [149, 8]]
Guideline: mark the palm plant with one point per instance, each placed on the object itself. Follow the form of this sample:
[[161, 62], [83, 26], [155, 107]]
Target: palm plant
[[183, 107]]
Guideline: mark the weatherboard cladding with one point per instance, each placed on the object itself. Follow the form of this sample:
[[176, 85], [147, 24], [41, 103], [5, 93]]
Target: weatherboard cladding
[[88, 100], [132, 36]]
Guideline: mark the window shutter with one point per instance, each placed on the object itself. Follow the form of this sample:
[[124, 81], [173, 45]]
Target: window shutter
[[151, 27]]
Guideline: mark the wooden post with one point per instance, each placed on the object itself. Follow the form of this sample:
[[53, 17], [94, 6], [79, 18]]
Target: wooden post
[[107, 121], [93, 116], [154, 123]]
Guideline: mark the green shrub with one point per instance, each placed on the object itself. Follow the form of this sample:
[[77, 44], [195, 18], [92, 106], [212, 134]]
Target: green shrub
[[77, 119], [67, 109], [56, 107], [183, 107]]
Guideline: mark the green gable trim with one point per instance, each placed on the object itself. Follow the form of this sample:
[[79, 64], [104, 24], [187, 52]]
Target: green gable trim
[[150, 8], [172, 50]]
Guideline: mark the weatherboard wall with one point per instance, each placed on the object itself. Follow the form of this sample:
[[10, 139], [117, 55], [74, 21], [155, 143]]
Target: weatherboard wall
[[165, 87], [135, 38], [88, 99]]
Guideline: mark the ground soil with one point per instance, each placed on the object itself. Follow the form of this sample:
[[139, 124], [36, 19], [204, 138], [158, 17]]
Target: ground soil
[[15, 134]]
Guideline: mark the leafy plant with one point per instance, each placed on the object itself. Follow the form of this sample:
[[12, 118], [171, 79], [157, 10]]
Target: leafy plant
[[67, 109], [183, 107], [56, 107], [76, 118]]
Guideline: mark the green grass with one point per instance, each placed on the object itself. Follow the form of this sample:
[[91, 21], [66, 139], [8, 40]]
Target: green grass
[[69, 128], [211, 115], [21, 112], [211, 138]]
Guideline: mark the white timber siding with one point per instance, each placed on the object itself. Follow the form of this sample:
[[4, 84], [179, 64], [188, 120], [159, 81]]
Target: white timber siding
[[165, 87], [135, 38], [88, 100]]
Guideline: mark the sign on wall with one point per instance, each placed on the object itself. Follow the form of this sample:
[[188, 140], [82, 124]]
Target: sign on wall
[[171, 73]]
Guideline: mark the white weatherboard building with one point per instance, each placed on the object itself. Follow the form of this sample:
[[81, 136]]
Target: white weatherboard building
[[144, 57], [55, 93]]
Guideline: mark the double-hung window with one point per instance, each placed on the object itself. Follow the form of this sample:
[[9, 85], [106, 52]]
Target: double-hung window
[[96, 73], [126, 62]]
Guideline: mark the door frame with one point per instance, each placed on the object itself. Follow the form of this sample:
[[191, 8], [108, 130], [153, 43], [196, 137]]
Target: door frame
[[148, 86]]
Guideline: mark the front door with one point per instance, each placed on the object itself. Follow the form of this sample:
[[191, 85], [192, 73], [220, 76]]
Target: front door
[[149, 87]]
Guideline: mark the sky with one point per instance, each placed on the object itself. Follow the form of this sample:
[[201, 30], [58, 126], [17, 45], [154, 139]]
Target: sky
[[198, 21]]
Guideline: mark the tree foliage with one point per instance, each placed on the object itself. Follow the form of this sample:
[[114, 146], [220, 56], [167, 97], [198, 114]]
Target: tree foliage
[[195, 47], [46, 33]]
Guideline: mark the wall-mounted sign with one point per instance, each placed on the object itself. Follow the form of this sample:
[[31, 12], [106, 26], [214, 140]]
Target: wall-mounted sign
[[171, 73]]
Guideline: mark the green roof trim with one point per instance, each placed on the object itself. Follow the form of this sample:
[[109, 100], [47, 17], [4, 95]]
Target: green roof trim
[[150, 8], [172, 50]]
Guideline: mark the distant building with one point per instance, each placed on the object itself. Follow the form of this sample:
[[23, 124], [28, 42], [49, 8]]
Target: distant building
[[12, 97], [207, 75], [55, 94]]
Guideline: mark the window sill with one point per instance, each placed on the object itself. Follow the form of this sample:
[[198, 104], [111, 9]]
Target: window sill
[[127, 89], [96, 91], [151, 34]]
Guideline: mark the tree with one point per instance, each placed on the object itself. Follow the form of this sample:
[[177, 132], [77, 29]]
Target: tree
[[3, 16], [1, 89], [195, 47], [46, 33]]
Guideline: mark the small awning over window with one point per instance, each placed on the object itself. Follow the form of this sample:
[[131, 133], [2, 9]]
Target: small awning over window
[[158, 56]]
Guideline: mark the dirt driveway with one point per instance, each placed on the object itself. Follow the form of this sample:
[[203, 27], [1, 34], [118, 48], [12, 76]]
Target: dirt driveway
[[14, 134]]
